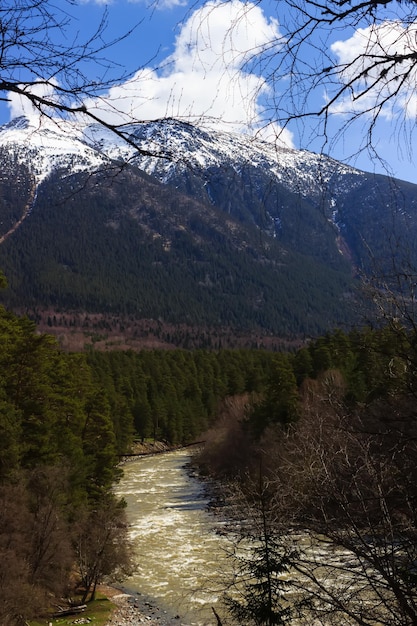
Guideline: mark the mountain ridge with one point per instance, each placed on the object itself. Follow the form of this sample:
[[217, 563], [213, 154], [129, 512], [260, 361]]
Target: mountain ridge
[[231, 234]]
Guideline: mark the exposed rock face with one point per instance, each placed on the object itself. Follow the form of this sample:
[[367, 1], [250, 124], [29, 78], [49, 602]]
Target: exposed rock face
[[149, 447]]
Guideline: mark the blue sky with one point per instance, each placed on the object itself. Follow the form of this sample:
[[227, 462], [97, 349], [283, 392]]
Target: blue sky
[[210, 63]]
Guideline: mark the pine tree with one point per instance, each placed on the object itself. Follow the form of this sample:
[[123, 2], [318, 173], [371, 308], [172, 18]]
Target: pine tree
[[263, 560]]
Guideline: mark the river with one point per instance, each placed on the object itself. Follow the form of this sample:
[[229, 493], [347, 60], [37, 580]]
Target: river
[[181, 556]]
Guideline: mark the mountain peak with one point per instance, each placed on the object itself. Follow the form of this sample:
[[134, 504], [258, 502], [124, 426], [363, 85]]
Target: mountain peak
[[60, 144], [189, 147], [46, 145], [20, 122], [254, 234]]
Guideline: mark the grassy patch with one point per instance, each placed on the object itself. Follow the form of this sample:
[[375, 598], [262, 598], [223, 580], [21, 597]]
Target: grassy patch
[[97, 611]]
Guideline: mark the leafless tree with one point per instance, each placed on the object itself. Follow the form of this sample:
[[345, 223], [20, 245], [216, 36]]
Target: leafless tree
[[354, 60], [46, 62], [346, 484], [101, 545], [35, 548], [50, 557]]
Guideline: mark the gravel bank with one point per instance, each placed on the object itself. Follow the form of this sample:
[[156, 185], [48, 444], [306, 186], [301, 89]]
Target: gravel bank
[[134, 610]]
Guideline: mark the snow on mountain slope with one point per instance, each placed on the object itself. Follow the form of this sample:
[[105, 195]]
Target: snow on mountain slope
[[186, 146], [181, 149], [47, 146], [50, 145], [265, 229]]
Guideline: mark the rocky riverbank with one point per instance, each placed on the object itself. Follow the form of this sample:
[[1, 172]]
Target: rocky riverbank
[[135, 610], [144, 448]]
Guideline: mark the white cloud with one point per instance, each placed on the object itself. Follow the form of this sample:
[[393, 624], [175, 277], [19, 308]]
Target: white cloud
[[273, 133], [21, 105], [208, 79], [361, 56]]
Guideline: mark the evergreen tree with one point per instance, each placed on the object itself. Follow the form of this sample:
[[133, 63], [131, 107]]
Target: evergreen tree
[[263, 559], [281, 401]]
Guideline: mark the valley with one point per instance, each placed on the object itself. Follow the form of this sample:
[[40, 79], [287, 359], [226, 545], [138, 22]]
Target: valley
[[208, 331], [220, 240]]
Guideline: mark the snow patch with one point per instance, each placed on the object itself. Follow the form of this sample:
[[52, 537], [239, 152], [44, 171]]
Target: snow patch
[[53, 145]]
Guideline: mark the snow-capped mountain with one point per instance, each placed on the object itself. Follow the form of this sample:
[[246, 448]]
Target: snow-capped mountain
[[45, 146], [211, 166], [202, 227], [294, 195], [187, 147]]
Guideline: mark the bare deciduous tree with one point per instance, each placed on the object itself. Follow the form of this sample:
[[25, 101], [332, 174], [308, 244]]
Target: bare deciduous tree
[[347, 487], [50, 557], [44, 60], [354, 60], [101, 545], [18, 598]]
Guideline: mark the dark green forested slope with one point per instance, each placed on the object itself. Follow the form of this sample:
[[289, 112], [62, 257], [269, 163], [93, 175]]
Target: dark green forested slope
[[131, 246], [84, 410], [175, 395], [58, 462], [363, 372]]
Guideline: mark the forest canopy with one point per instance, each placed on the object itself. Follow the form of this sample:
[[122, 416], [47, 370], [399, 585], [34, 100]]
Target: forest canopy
[[66, 420], [333, 422]]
